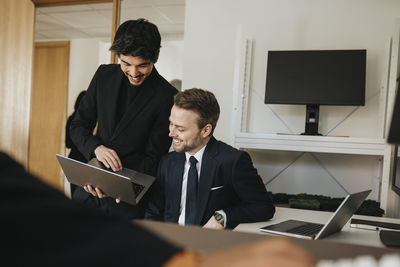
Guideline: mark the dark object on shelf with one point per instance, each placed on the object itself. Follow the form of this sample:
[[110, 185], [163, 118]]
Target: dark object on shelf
[[390, 239], [370, 207], [309, 204], [324, 203], [281, 198]]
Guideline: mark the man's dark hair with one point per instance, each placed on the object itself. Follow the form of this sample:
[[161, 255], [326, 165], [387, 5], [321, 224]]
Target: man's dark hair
[[202, 102], [137, 38]]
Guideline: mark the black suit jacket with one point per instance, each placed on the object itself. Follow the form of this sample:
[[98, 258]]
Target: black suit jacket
[[228, 181], [74, 153], [41, 227], [141, 137]]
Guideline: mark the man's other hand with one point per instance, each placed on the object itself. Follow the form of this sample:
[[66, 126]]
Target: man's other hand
[[213, 224], [108, 157], [96, 192]]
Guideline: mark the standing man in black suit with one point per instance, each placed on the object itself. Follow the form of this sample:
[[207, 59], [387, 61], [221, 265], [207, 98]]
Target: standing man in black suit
[[205, 182], [130, 103]]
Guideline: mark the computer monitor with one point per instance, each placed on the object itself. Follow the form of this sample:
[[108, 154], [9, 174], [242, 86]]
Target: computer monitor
[[394, 138], [314, 78], [396, 171], [388, 237]]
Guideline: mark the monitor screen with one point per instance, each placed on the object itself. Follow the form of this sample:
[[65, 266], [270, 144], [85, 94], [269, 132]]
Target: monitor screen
[[394, 132], [321, 77], [396, 172], [394, 138]]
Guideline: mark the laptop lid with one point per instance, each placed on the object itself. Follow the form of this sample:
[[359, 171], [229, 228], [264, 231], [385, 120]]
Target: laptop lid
[[128, 185], [335, 224], [343, 213]]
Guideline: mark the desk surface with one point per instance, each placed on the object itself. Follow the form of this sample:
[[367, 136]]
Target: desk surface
[[209, 240], [347, 235]]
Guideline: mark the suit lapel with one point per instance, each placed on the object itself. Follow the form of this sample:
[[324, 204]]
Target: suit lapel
[[175, 181], [208, 169], [111, 95], [146, 93]]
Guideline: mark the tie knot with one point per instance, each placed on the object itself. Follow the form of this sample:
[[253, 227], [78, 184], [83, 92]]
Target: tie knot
[[193, 161]]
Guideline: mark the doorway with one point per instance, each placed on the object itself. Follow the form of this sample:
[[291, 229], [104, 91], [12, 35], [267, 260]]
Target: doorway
[[48, 110]]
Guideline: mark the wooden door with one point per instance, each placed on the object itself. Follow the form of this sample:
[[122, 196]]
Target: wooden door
[[48, 110]]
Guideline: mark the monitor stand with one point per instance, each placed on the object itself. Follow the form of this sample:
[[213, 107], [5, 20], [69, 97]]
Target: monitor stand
[[312, 117], [390, 238]]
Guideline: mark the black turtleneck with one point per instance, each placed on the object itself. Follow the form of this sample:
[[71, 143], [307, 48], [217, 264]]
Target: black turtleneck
[[128, 93]]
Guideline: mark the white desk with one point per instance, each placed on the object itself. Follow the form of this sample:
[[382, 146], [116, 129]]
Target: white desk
[[347, 235], [211, 240]]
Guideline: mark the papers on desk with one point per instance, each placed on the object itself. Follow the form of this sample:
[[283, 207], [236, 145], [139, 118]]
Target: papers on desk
[[389, 260]]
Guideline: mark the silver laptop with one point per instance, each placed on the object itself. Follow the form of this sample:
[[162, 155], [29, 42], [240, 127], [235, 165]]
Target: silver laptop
[[310, 230], [126, 184]]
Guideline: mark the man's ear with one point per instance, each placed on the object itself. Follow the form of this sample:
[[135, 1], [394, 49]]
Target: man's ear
[[206, 130]]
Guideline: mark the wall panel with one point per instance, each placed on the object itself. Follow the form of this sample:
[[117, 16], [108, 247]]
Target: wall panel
[[16, 50]]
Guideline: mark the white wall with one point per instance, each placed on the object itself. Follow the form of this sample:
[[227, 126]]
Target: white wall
[[104, 52], [209, 58], [84, 61], [170, 61]]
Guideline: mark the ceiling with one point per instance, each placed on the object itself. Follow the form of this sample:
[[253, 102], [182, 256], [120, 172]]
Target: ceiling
[[94, 20]]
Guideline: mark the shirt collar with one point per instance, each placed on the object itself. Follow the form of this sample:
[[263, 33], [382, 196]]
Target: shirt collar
[[198, 155]]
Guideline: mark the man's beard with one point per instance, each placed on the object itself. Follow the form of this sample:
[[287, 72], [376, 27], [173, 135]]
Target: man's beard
[[188, 147]]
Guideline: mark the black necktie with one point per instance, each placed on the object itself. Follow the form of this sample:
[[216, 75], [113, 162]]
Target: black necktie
[[191, 192]]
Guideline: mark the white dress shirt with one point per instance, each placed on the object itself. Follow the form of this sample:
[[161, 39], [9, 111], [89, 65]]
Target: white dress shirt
[[182, 208]]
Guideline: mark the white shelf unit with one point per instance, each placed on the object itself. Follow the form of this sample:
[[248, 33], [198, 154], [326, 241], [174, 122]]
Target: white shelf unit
[[321, 144], [324, 144]]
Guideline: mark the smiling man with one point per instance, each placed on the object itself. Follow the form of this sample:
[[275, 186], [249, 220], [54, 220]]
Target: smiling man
[[205, 181], [130, 102]]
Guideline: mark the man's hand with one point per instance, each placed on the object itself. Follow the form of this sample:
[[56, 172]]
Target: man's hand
[[96, 192], [267, 253], [108, 157], [213, 224]]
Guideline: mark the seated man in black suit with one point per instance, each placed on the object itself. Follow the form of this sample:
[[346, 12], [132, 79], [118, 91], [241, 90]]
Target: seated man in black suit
[[40, 226], [205, 182]]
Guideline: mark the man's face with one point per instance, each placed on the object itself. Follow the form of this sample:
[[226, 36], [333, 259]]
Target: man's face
[[136, 69], [183, 128]]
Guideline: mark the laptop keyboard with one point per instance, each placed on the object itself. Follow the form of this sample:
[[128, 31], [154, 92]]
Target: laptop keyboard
[[137, 188], [308, 229]]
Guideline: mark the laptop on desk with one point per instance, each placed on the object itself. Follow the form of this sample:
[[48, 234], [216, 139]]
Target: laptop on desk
[[308, 230], [126, 184]]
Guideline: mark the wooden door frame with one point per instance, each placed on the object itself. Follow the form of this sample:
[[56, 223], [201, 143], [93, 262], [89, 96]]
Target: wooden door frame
[[49, 3]]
